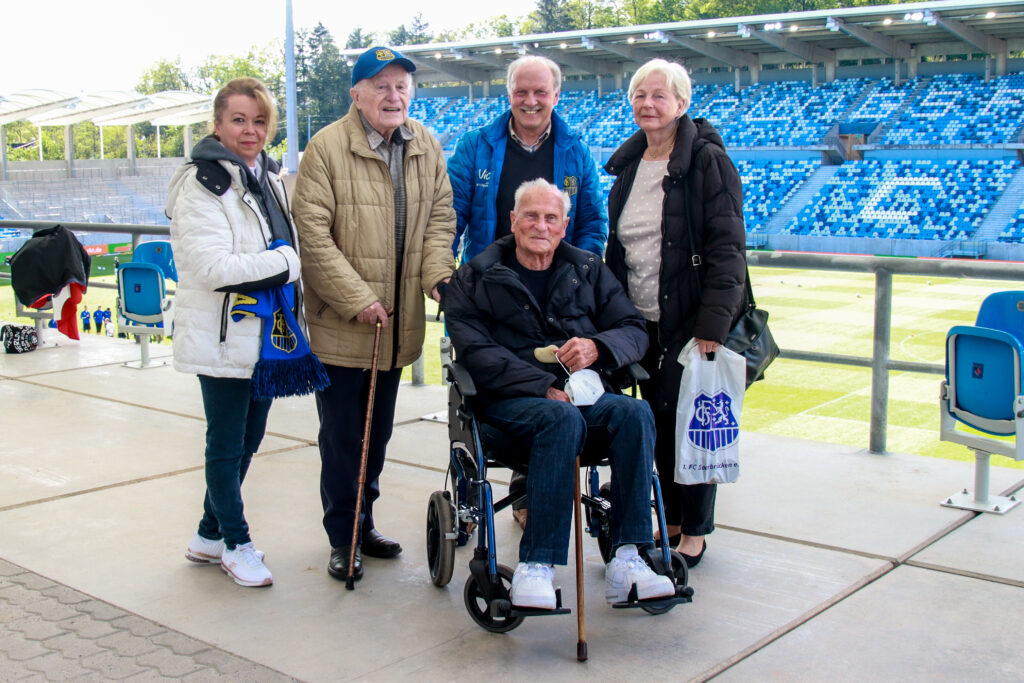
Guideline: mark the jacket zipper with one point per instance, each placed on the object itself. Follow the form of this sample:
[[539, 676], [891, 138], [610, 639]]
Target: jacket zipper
[[224, 319], [661, 268]]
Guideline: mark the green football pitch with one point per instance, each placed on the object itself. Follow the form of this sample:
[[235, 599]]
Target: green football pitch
[[833, 312], [822, 311]]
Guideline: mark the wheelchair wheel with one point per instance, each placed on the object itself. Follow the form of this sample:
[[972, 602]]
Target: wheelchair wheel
[[440, 550], [480, 609], [680, 572]]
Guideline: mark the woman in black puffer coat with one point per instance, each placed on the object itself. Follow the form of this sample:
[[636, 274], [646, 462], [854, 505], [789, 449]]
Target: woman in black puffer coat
[[673, 180]]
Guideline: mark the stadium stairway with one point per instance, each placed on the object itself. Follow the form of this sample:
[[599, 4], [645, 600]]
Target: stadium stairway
[[879, 134], [1003, 210], [598, 113], [855, 104], [8, 211], [801, 197]]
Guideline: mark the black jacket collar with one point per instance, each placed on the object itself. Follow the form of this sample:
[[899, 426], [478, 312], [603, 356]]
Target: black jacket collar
[[495, 253], [681, 157]]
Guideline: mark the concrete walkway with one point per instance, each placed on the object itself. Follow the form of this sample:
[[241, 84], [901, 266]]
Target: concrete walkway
[[828, 563]]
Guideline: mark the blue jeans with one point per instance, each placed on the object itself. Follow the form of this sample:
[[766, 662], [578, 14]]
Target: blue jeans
[[555, 432], [235, 424]]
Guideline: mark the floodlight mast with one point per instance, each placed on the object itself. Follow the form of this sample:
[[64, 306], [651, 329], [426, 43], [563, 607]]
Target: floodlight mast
[[291, 123]]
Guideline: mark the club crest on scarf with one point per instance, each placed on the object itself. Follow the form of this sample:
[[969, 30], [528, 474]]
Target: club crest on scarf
[[286, 366], [713, 425], [282, 336]]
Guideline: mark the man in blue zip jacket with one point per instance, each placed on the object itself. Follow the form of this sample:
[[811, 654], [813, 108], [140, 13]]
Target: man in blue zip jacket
[[529, 141]]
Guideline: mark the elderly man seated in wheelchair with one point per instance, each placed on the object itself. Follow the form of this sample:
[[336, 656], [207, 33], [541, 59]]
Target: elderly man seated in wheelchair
[[531, 318]]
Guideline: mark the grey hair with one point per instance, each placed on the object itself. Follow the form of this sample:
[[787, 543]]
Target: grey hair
[[675, 76], [525, 60], [539, 183]]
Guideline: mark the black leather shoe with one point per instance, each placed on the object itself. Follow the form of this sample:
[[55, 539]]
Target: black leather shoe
[[338, 566], [376, 544]]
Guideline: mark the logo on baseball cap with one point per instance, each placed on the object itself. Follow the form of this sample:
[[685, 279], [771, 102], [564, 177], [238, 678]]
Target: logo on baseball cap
[[376, 58]]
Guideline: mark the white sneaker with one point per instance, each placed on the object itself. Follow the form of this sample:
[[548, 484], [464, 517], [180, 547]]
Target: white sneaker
[[532, 586], [628, 568], [205, 551], [243, 565]]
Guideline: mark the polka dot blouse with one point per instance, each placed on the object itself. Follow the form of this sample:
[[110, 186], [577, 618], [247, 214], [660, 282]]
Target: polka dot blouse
[[640, 234]]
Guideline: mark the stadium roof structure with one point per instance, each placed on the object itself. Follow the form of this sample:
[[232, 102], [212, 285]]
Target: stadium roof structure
[[106, 108], [902, 33], [27, 103]]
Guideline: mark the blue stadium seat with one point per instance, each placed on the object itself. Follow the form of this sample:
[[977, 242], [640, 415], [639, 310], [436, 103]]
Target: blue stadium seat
[[907, 199], [983, 390], [768, 185], [962, 108], [143, 308], [157, 252]]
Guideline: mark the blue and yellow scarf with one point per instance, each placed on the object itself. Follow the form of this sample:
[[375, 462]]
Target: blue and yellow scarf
[[286, 366]]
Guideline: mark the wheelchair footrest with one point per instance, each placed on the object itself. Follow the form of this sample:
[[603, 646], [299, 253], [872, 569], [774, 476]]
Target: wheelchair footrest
[[684, 594], [505, 608], [515, 612]]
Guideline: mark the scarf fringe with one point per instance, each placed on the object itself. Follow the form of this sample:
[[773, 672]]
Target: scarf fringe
[[280, 377]]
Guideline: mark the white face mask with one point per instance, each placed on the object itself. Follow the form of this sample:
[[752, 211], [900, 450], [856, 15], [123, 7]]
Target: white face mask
[[584, 387]]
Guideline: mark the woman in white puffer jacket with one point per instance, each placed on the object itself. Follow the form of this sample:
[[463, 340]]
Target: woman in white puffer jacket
[[227, 205]]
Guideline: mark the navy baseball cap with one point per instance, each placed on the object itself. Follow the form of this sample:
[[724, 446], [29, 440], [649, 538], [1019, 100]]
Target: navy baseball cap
[[376, 58]]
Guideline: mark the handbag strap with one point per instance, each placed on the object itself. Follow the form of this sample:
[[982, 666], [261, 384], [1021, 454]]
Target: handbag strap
[[696, 259]]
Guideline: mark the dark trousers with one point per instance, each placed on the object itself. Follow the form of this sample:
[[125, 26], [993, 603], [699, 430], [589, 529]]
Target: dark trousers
[[691, 507], [342, 410], [235, 424]]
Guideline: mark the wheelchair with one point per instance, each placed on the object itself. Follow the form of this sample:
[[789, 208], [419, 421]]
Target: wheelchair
[[467, 506]]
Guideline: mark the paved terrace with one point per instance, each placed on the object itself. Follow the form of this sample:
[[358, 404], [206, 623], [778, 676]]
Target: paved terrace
[[828, 563]]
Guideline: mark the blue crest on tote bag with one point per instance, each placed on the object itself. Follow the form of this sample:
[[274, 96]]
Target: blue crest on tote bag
[[713, 425]]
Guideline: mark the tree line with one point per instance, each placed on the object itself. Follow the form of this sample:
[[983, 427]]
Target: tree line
[[323, 76]]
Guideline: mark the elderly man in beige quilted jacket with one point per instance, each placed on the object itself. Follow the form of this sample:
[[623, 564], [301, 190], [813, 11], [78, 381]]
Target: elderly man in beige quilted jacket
[[373, 208]]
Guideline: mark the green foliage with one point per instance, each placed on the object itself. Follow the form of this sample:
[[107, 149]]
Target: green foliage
[[265, 63], [165, 74], [418, 33], [500, 26], [322, 81], [358, 39], [588, 14], [550, 16]]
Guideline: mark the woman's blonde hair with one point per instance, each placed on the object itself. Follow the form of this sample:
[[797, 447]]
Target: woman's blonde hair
[[675, 76], [251, 87]]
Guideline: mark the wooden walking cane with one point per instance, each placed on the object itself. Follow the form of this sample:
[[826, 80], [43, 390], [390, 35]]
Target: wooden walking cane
[[350, 582], [581, 617]]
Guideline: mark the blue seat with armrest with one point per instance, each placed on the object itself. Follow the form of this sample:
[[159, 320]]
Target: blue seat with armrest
[[983, 390], [143, 308]]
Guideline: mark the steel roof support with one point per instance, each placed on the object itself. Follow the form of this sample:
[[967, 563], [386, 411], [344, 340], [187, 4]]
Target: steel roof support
[[812, 54], [990, 45]]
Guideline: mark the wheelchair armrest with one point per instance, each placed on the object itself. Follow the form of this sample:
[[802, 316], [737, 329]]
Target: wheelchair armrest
[[461, 378], [637, 372]]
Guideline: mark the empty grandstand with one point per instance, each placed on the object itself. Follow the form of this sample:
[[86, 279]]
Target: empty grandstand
[[895, 129]]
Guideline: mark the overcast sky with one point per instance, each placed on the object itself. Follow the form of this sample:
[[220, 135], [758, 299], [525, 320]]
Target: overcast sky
[[107, 44]]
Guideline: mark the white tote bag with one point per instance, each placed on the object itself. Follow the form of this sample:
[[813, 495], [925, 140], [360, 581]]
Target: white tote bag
[[708, 416]]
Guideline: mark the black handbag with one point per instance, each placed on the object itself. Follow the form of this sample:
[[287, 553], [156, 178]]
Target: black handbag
[[751, 338]]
